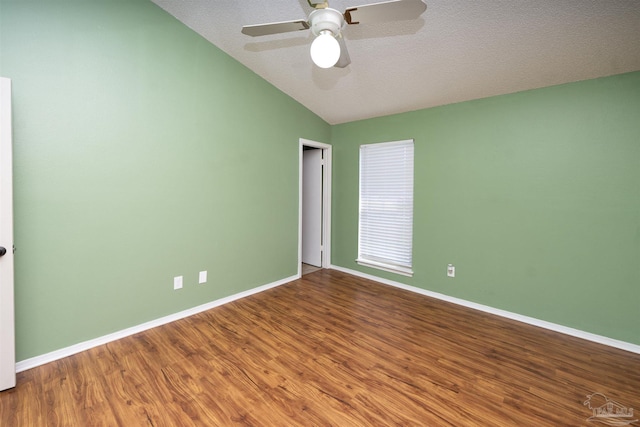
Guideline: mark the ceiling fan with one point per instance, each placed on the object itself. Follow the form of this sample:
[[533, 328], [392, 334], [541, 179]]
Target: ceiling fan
[[329, 48]]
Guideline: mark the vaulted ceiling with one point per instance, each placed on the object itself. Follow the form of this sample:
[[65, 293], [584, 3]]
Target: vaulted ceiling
[[456, 51]]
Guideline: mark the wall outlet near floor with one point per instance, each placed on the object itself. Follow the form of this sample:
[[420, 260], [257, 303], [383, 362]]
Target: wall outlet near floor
[[202, 277], [177, 282], [451, 270]]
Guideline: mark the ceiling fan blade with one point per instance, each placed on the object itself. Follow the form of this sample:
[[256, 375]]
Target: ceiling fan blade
[[344, 59], [395, 10], [275, 28]]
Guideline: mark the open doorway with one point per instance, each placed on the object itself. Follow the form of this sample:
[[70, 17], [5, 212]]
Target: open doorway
[[315, 206]]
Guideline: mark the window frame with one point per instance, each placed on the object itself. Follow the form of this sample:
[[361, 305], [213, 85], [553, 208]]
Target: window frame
[[402, 261]]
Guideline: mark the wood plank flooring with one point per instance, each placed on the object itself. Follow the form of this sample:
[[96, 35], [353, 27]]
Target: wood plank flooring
[[329, 350]]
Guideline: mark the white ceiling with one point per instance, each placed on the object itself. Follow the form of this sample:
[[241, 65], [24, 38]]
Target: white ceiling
[[457, 51]]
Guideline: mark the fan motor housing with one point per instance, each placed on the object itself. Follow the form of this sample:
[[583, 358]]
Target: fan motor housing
[[326, 20]]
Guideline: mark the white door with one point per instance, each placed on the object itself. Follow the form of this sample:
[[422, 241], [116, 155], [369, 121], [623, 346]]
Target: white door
[[312, 207], [7, 331]]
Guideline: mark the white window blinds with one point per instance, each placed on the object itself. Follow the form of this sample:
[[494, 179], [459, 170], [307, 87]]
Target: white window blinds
[[385, 236]]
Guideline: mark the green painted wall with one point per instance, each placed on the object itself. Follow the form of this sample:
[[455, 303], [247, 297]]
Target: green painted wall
[[141, 152], [534, 196]]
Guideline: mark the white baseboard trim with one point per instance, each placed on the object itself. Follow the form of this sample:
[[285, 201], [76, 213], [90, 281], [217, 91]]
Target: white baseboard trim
[[623, 345], [32, 362]]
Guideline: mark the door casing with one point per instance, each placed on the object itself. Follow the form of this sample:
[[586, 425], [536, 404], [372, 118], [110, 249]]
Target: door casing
[[326, 202]]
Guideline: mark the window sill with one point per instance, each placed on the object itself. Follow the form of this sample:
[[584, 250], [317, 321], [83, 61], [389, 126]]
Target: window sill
[[386, 267]]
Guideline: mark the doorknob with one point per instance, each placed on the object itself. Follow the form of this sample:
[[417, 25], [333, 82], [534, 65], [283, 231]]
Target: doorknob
[[2, 251]]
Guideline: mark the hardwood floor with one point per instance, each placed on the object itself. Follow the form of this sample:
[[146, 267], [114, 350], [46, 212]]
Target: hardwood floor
[[307, 268], [329, 349]]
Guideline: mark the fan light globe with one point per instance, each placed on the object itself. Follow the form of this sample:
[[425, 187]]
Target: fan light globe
[[325, 50]]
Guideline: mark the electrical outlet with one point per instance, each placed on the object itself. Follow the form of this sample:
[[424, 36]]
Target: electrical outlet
[[202, 277], [177, 282], [451, 271]]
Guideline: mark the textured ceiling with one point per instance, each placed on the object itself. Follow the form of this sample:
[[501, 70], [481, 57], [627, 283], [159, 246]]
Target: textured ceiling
[[457, 51]]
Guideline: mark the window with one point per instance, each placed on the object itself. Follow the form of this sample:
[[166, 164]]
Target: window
[[385, 234]]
